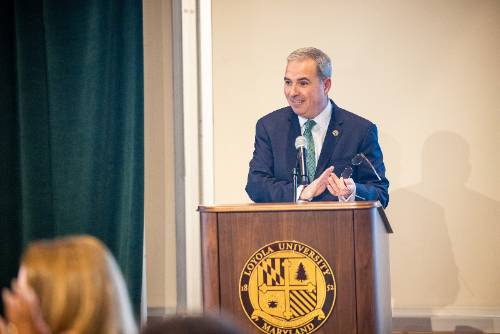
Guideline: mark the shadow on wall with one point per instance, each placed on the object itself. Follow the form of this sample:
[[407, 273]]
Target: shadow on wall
[[446, 235]]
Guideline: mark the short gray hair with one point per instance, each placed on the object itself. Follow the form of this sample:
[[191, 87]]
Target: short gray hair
[[323, 62]]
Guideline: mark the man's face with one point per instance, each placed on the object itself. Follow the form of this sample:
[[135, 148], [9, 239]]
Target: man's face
[[306, 93]]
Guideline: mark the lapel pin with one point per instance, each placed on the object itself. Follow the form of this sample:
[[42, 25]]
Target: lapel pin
[[335, 133]]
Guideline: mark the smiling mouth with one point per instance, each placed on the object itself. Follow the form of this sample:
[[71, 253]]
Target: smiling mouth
[[298, 102]]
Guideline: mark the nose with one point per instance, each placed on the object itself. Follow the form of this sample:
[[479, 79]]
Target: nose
[[292, 90]]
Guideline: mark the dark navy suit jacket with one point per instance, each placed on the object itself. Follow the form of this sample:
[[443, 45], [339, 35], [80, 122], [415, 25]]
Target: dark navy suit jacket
[[275, 156]]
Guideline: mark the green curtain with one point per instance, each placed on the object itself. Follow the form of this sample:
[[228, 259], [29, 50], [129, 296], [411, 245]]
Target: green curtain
[[71, 128]]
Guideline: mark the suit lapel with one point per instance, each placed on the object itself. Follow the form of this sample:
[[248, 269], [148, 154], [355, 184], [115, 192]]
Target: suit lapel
[[293, 133], [333, 134]]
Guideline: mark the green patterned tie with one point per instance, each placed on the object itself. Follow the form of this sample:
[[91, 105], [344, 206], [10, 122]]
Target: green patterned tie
[[310, 152]]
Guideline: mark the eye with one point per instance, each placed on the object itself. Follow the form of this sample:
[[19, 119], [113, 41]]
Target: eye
[[303, 83], [288, 82]]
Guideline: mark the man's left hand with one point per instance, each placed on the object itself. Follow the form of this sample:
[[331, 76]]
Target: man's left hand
[[340, 187]]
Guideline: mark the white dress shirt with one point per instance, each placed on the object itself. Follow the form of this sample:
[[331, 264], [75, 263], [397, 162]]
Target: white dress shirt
[[318, 133], [319, 130]]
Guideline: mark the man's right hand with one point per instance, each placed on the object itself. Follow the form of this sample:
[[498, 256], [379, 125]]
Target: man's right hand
[[317, 187]]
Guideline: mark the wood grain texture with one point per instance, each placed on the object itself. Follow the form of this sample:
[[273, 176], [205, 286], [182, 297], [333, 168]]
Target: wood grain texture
[[307, 206], [352, 238], [330, 233], [373, 295], [210, 262]]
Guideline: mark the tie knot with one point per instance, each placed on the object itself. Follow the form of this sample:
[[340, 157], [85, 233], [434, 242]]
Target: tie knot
[[309, 125]]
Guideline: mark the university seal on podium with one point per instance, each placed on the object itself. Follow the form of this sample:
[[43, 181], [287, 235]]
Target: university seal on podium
[[287, 287]]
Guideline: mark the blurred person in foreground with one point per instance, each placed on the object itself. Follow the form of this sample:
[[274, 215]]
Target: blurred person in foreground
[[68, 285], [192, 324], [334, 137]]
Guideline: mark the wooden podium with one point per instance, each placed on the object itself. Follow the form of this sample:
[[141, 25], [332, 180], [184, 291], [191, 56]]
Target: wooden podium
[[351, 237]]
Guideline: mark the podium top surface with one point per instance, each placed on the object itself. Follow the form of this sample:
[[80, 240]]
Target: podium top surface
[[307, 206]]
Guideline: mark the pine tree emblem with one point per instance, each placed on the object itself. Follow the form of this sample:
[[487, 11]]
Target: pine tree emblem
[[301, 273]]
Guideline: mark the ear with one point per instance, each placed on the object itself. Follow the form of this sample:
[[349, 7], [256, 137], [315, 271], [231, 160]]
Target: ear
[[327, 83]]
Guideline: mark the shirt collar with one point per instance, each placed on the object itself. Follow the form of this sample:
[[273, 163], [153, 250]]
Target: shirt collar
[[323, 119]]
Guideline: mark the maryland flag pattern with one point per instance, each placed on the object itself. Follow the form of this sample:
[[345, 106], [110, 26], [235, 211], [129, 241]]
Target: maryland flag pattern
[[272, 272]]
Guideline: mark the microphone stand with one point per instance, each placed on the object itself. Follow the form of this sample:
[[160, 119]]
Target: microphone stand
[[295, 176]]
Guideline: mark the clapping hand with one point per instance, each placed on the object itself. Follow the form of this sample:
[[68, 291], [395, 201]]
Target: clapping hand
[[22, 309], [340, 187], [318, 186]]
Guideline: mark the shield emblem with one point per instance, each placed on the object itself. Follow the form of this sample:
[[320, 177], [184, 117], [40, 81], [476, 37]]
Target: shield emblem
[[287, 287]]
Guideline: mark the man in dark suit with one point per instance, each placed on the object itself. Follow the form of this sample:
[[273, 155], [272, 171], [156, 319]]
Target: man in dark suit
[[334, 136]]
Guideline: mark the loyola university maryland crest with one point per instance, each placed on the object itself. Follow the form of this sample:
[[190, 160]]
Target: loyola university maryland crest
[[287, 287]]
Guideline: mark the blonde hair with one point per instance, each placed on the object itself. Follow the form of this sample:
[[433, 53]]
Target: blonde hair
[[80, 287]]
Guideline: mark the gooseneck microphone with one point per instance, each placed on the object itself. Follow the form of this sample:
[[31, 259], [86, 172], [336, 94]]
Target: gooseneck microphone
[[358, 159], [301, 146]]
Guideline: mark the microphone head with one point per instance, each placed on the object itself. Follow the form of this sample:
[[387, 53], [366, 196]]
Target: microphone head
[[300, 142]]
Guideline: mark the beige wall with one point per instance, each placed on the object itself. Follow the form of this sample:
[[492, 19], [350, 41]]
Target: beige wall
[[428, 74], [159, 200]]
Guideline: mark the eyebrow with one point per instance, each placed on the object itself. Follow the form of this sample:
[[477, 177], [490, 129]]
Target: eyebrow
[[299, 79]]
